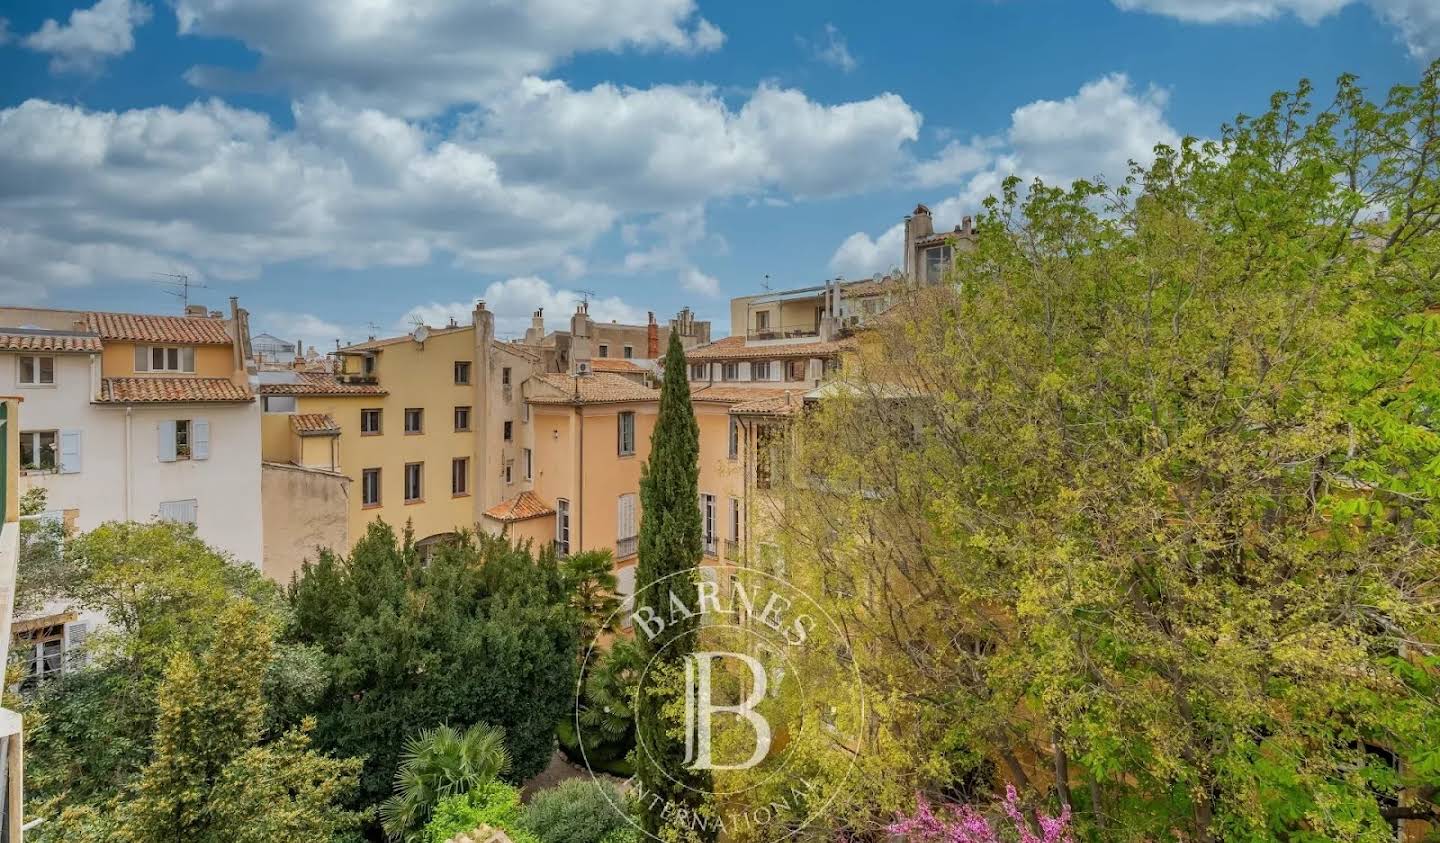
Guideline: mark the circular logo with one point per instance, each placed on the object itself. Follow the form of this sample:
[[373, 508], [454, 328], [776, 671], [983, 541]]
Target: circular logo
[[748, 702]]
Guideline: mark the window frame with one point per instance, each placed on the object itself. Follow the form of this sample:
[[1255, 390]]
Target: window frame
[[36, 447], [699, 371], [365, 476], [729, 372], [760, 370], [419, 416], [709, 518], [419, 497], [37, 370], [379, 416], [460, 477], [267, 408], [504, 375], [562, 526], [462, 409], [507, 430], [604, 350], [629, 352], [165, 352], [733, 444], [462, 372], [625, 433], [529, 458], [184, 439]]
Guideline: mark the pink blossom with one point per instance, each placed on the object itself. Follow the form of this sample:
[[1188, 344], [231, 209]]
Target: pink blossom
[[964, 824]]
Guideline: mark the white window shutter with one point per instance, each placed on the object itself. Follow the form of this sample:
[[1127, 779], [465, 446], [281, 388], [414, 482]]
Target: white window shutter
[[142, 358], [75, 635], [165, 447], [200, 439], [69, 452], [187, 359]]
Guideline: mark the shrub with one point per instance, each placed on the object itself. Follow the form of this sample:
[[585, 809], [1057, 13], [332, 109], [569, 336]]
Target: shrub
[[440, 763], [496, 805], [576, 811]]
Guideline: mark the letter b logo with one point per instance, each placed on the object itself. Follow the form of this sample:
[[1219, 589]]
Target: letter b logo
[[700, 709]]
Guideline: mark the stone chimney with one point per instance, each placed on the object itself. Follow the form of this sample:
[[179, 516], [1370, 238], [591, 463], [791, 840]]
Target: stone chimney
[[484, 412], [195, 310], [652, 338], [536, 332], [580, 334], [917, 225]]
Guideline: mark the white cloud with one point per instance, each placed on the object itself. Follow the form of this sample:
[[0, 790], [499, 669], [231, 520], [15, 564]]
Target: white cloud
[[221, 189], [315, 331], [92, 36], [696, 281], [831, 48], [1417, 21], [415, 58], [513, 300], [1094, 133], [671, 146]]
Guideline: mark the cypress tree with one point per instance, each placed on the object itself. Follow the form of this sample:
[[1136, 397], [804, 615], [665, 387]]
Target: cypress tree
[[670, 549]]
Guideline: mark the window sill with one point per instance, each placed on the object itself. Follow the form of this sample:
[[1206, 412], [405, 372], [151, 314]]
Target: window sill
[[414, 502], [414, 433], [459, 494], [626, 456], [370, 433], [463, 430], [370, 506], [36, 385], [38, 472]]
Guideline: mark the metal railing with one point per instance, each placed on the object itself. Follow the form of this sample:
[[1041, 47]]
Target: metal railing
[[792, 332], [732, 550], [711, 545], [626, 547]]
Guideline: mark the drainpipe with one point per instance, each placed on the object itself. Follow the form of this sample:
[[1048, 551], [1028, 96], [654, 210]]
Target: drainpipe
[[580, 496], [128, 466]]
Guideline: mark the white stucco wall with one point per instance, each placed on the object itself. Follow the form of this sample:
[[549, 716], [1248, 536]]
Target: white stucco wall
[[226, 486]]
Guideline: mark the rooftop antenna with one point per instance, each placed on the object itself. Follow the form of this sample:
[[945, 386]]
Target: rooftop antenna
[[182, 285], [765, 285]]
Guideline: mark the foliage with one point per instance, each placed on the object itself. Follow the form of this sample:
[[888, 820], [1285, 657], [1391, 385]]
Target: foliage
[[208, 780], [670, 550], [43, 571], [968, 825], [436, 764], [1150, 493], [295, 681], [496, 805], [606, 712], [590, 580], [576, 811], [483, 632]]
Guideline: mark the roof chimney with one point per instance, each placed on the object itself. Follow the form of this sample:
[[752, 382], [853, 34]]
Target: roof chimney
[[195, 310], [652, 338], [536, 332]]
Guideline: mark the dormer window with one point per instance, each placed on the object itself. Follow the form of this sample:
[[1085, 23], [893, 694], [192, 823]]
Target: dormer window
[[165, 358], [937, 262]]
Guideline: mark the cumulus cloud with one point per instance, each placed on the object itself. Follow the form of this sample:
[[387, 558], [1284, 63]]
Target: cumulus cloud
[[513, 300], [669, 146], [830, 48], [91, 36], [223, 190], [316, 332], [696, 281], [416, 59], [1095, 133], [1417, 22]]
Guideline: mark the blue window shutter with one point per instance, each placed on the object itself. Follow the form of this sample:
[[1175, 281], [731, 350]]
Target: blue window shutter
[[200, 439], [165, 447], [69, 452]]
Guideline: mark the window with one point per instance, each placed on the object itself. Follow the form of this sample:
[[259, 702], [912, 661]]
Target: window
[[629, 352], [509, 472], [795, 369], [414, 482], [937, 262], [625, 531], [562, 527], [729, 371], [505, 376], [39, 450], [707, 509], [509, 430], [760, 370], [370, 422], [460, 476], [462, 372], [734, 438], [462, 419], [735, 519], [604, 350], [528, 459], [164, 358], [37, 371], [414, 420], [367, 365], [180, 512], [279, 403], [625, 434], [183, 439], [46, 651], [699, 371], [762, 321], [370, 487]]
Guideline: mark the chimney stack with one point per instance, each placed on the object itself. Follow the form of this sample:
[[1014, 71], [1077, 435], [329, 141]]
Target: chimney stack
[[652, 338], [580, 350], [966, 227], [195, 310], [536, 332]]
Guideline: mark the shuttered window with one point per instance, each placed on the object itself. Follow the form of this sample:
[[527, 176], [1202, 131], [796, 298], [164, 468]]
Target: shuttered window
[[181, 512]]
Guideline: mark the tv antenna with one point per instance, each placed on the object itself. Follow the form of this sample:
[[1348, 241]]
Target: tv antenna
[[181, 285], [765, 285], [585, 297]]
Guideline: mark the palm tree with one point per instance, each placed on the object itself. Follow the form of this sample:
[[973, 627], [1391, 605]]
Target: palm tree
[[438, 763]]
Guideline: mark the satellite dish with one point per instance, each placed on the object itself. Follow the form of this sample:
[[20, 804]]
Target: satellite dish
[[421, 334]]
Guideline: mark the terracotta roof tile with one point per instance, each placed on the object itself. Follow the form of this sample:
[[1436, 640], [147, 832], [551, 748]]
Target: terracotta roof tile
[[153, 390], [371, 345], [617, 365], [135, 327], [779, 405], [735, 348], [314, 424], [59, 342], [599, 388], [522, 507], [723, 394], [320, 383]]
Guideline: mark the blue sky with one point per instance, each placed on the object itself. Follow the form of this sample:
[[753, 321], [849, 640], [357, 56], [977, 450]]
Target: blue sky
[[336, 163]]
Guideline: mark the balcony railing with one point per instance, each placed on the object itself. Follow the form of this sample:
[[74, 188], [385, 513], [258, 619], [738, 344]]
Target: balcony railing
[[732, 550], [625, 548], [711, 545], [792, 332]]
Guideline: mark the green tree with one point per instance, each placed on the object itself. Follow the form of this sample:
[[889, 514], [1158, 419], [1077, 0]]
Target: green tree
[[437, 764], [43, 572], [1148, 493], [481, 633], [670, 549], [590, 579], [576, 811], [607, 704]]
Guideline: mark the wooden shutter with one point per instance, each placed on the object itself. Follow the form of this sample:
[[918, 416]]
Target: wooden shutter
[[142, 358], [75, 635], [69, 452], [165, 447], [199, 439]]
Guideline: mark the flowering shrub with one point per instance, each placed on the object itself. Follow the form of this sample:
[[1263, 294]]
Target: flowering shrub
[[967, 825]]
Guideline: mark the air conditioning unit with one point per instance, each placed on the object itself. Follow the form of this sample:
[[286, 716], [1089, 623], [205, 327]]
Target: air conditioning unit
[[582, 367]]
